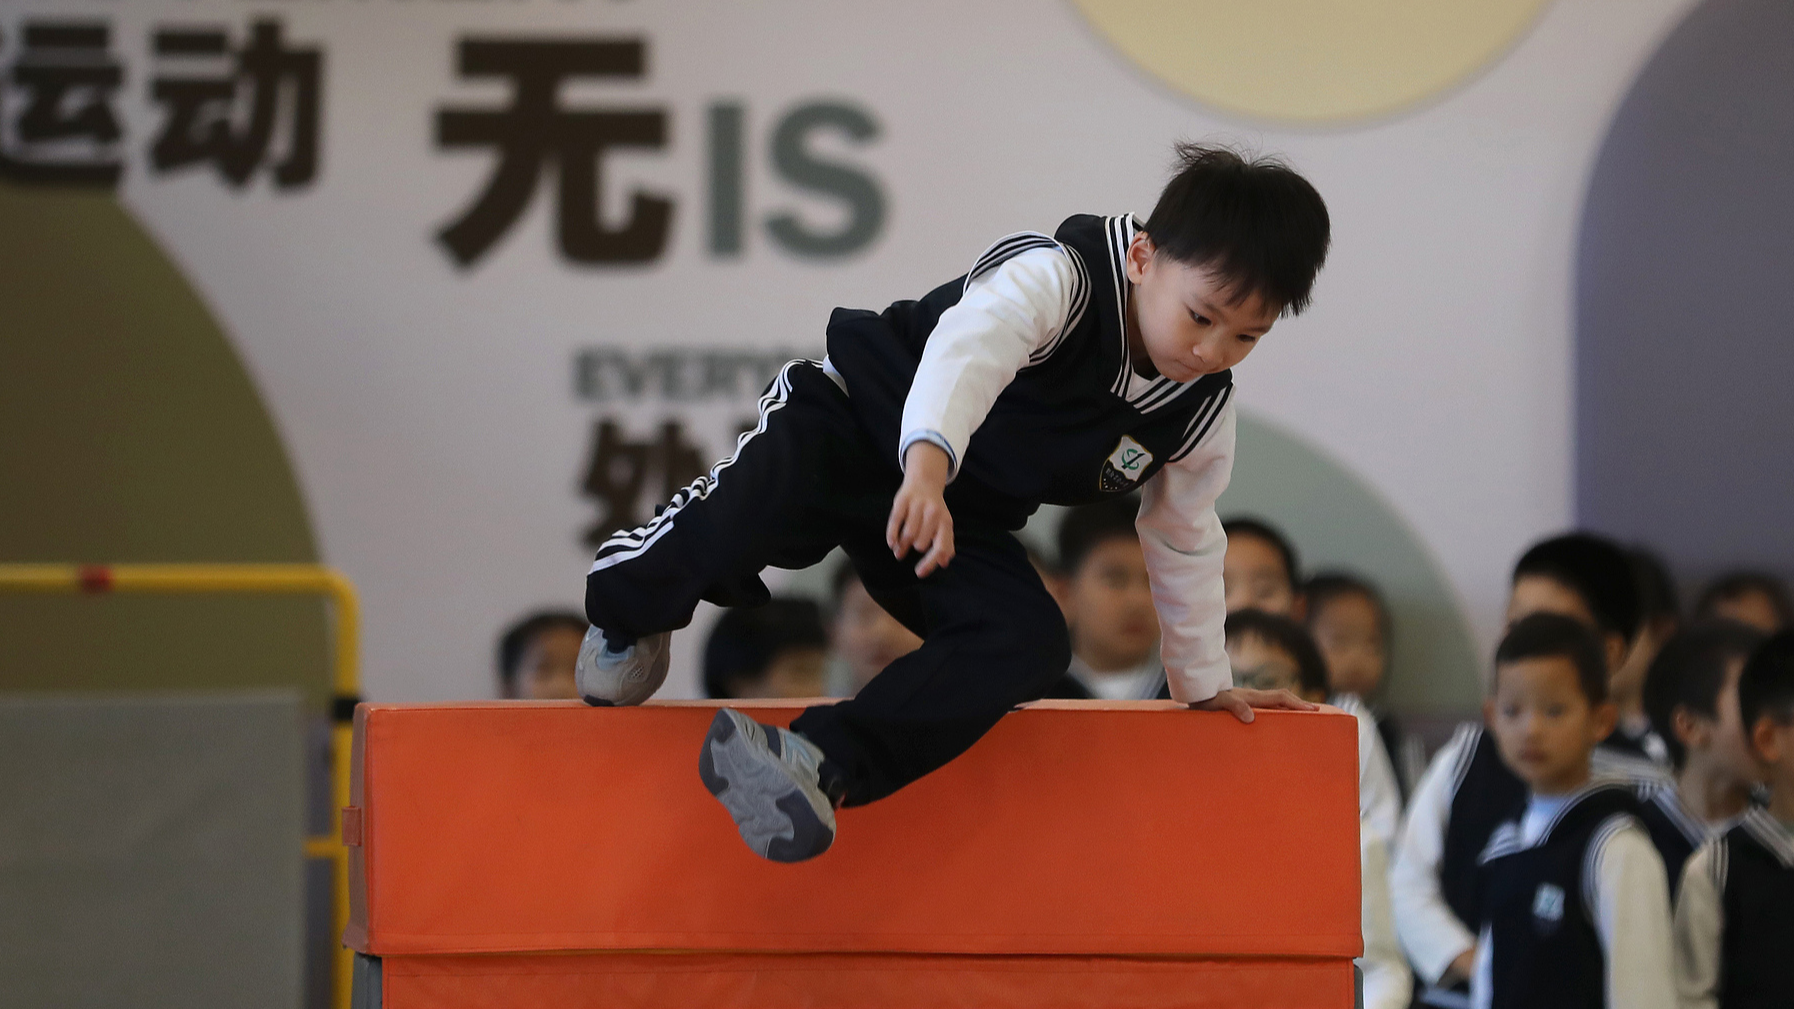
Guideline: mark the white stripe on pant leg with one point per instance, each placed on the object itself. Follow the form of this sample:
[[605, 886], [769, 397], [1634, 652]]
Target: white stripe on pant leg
[[633, 543]]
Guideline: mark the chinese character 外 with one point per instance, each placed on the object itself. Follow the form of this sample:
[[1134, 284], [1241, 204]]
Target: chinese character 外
[[619, 469]]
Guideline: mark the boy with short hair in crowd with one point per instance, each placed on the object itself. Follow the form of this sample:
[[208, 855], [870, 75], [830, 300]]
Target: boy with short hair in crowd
[[1260, 568], [1275, 653], [1735, 914], [1659, 618], [1270, 651], [1757, 598], [537, 656], [1571, 903], [1061, 369], [1467, 790], [1596, 581], [1107, 595], [1691, 693], [1350, 624], [777, 650]]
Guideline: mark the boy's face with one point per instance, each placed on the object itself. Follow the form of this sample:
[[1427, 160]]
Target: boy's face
[[1544, 594], [546, 670], [1772, 742], [1108, 603], [866, 636], [1349, 631], [794, 672], [1719, 743], [1186, 317], [1260, 665], [1544, 725], [1541, 594], [1254, 577], [1751, 608]]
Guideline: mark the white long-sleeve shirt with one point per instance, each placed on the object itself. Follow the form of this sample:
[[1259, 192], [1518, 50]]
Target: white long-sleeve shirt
[[1700, 931], [1430, 933], [1387, 982], [1700, 911], [1006, 317], [1379, 797], [1630, 898]]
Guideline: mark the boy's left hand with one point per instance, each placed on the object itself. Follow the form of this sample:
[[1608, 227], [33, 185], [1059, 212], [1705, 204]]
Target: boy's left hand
[[919, 516], [1241, 701]]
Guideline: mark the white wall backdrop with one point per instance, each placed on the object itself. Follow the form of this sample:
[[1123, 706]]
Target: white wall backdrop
[[431, 410]]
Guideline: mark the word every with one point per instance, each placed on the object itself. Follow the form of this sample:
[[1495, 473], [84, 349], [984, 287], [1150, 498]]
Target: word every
[[678, 374]]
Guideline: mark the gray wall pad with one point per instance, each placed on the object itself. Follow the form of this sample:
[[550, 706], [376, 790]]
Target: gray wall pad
[[150, 851]]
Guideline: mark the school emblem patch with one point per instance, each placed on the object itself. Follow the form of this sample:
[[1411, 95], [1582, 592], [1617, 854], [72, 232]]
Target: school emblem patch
[[1124, 466], [1547, 908]]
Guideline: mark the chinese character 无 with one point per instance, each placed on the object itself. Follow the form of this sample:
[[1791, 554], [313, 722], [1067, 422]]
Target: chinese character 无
[[65, 132], [227, 112], [618, 473], [535, 131]]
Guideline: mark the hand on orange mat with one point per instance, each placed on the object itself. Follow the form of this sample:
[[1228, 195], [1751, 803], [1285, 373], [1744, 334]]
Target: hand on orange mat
[[1241, 701]]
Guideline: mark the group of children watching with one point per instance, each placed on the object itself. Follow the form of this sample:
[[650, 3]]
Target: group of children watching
[[1617, 831], [1543, 850]]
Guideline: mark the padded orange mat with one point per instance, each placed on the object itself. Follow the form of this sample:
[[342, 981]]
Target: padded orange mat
[[1083, 853]]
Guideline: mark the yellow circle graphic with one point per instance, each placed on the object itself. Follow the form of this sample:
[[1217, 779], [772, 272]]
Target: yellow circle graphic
[[1311, 60]]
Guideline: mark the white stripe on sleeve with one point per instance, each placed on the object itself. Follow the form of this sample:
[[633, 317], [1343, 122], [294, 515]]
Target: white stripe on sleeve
[[1006, 315]]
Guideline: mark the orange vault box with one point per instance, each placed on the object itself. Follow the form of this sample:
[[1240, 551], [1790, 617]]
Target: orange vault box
[[1083, 854]]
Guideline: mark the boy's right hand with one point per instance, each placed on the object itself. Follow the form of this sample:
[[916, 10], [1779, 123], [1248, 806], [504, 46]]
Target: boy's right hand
[[1241, 700], [919, 516]]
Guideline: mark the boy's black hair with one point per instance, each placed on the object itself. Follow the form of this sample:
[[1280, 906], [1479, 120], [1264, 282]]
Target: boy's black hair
[[1330, 585], [1085, 526], [1733, 584], [1270, 534], [746, 640], [1766, 687], [1254, 222], [1553, 635], [1688, 673], [1594, 568], [1284, 634], [1658, 599], [517, 637]]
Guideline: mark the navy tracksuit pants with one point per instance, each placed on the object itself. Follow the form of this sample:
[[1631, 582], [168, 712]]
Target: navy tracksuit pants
[[807, 479]]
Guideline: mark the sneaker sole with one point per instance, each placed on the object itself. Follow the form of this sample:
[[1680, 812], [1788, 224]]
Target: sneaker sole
[[768, 808]]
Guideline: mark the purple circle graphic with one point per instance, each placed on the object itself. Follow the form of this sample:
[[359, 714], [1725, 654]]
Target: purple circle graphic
[[1685, 300]]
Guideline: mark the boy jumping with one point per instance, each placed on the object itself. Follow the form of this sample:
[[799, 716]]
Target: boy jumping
[[1061, 369]]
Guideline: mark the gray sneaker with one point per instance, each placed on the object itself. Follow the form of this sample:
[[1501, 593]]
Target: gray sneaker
[[630, 676], [767, 778]]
